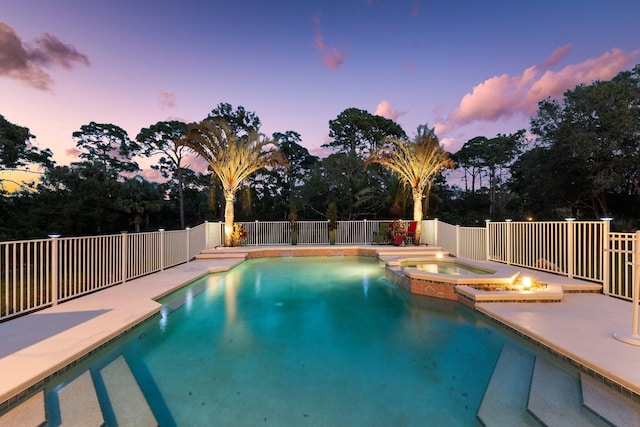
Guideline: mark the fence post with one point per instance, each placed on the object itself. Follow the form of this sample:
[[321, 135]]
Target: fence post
[[435, 232], [508, 257], [633, 338], [188, 229], [457, 239], [161, 248], [54, 268], [606, 259], [124, 256], [206, 234], [570, 246], [487, 236]]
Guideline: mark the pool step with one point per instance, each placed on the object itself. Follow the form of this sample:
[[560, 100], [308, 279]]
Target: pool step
[[115, 398], [555, 398], [221, 254], [29, 413], [128, 404], [79, 405], [610, 405], [525, 390], [505, 399]]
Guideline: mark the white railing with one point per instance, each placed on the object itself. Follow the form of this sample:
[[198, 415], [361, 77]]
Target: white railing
[[274, 233], [623, 261], [39, 273], [464, 242], [571, 248]]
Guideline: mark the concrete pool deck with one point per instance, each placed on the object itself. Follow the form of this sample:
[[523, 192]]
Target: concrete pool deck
[[36, 346]]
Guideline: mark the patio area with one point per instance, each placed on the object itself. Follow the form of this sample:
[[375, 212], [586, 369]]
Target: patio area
[[34, 347]]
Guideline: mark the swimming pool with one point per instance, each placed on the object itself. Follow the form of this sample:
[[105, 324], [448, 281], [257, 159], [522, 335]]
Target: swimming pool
[[308, 341]]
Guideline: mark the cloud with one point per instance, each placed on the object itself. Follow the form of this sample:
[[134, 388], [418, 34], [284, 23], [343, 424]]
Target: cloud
[[415, 10], [385, 109], [26, 62], [501, 97], [167, 100], [73, 152], [332, 57]]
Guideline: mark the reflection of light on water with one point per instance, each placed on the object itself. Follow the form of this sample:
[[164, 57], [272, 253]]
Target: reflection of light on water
[[365, 282], [258, 283], [188, 300], [164, 318], [429, 268], [214, 287]]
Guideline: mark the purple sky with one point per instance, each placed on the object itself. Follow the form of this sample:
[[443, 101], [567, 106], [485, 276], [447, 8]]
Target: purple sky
[[469, 68]]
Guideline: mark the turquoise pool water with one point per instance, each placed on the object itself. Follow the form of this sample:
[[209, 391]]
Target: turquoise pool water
[[310, 341]]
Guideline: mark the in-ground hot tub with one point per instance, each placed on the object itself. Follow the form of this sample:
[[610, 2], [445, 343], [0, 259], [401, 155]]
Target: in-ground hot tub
[[463, 280], [445, 267], [439, 276]]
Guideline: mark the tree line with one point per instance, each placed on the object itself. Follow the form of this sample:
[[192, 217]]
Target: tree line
[[580, 158]]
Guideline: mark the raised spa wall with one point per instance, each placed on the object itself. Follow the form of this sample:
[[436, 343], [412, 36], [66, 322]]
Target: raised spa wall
[[424, 287]]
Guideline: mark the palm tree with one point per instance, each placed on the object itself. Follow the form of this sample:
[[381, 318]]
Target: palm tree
[[416, 163], [232, 157]]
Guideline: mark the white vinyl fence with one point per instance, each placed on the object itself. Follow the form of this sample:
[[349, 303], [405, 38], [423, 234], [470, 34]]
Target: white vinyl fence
[[39, 273]]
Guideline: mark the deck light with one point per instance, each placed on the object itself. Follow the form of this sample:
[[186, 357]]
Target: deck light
[[526, 283]]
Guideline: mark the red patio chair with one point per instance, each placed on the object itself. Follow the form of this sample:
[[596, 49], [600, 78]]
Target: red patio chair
[[411, 232]]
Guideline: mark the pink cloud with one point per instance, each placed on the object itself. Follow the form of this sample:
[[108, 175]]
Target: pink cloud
[[152, 175], [332, 57], [503, 96], [409, 66], [415, 10], [72, 152], [22, 62], [385, 109], [558, 55], [167, 100]]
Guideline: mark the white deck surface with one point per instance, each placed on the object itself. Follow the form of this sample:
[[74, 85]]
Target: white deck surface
[[35, 346]]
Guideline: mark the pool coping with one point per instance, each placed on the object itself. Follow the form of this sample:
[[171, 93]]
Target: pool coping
[[31, 359]]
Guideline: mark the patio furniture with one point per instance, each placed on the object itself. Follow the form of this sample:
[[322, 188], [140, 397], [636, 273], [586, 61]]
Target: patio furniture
[[411, 232], [381, 237]]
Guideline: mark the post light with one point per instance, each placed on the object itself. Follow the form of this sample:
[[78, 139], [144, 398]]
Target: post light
[[508, 220], [570, 219], [526, 283]]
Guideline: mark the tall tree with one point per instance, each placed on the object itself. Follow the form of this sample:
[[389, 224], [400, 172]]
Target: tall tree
[[239, 120], [108, 145], [17, 152], [493, 157], [416, 163], [359, 132], [598, 128], [163, 139], [232, 158], [139, 198]]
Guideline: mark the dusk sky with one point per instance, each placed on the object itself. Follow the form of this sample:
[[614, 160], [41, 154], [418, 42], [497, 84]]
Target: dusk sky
[[467, 67]]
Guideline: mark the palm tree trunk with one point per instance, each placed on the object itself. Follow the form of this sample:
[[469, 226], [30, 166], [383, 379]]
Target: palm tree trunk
[[228, 218], [417, 214]]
